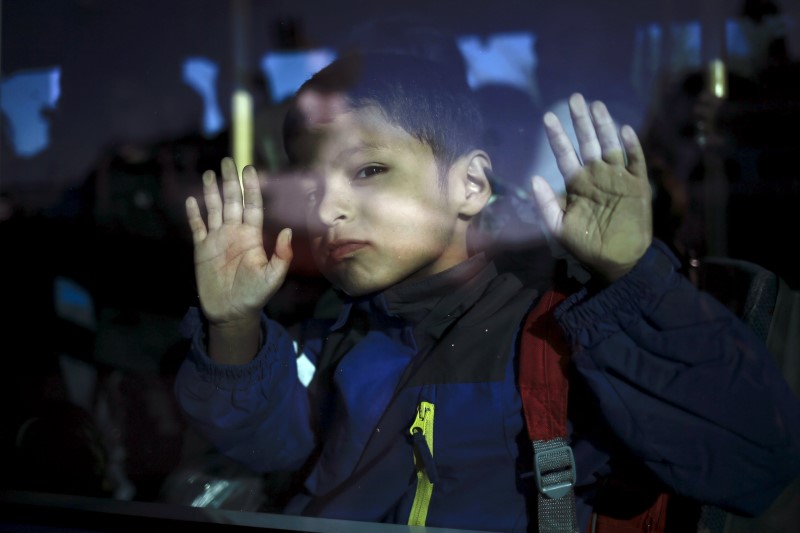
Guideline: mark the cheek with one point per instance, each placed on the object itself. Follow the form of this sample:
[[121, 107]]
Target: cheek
[[422, 241], [315, 244], [313, 224], [424, 219], [405, 209]]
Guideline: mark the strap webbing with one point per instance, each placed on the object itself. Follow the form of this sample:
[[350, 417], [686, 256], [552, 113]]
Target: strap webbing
[[544, 353]]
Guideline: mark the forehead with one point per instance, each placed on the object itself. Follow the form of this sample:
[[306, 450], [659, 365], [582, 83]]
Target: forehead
[[333, 130]]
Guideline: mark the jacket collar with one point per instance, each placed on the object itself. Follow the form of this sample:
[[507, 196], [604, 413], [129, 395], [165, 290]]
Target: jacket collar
[[430, 304]]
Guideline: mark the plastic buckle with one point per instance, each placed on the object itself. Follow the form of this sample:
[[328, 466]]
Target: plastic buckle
[[564, 460]]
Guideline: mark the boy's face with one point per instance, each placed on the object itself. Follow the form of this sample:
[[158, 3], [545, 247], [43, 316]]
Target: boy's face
[[377, 211]]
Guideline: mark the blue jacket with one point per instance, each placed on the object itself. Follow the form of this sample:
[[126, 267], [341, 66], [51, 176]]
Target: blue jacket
[[665, 379]]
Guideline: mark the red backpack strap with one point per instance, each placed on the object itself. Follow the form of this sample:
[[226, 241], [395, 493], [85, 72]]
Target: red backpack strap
[[544, 354], [651, 519], [544, 387]]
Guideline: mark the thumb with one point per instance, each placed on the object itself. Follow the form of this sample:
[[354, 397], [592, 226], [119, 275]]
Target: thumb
[[548, 203], [282, 257]]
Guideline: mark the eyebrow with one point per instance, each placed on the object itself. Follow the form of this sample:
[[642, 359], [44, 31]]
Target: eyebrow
[[361, 147]]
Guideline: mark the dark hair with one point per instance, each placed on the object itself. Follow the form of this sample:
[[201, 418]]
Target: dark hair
[[431, 103]]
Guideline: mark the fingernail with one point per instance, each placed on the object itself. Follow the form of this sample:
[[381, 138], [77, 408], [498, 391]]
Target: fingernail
[[599, 108]]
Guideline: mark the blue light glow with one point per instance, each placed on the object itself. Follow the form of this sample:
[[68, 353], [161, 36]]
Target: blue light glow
[[506, 58], [201, 75], [24, 97], [286, 71]]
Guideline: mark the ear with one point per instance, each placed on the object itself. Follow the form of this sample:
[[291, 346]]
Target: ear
[[475, 184]]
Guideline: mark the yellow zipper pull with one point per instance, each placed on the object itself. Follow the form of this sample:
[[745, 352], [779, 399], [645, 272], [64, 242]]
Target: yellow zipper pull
[[422, 437]]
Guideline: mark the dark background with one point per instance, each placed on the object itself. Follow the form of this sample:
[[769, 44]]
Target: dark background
[[121, 60], [101, 209]]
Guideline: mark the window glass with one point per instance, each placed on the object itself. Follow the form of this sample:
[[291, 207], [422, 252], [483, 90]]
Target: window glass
[[110, 112]]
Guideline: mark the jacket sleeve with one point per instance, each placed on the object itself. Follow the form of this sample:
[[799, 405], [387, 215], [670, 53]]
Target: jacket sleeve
[[686, 385], [258, 413]]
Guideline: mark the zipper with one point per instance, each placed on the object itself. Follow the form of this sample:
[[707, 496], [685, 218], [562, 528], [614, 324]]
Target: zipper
[[422, 438]]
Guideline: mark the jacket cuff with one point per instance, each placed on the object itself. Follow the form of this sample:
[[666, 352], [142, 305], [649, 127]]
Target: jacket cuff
[[229, 377], [587, 320]]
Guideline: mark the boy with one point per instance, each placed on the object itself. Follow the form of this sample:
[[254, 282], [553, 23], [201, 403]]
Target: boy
[[419, 372]]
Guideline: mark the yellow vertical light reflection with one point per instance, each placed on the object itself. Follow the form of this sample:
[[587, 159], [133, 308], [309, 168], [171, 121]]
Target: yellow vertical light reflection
[[242, 129], [718, 78]]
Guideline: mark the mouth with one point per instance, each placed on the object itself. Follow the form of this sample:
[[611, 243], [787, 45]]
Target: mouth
[[340, 250]]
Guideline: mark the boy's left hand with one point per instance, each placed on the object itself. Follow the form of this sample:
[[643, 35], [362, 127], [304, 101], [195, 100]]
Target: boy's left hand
[[605, 219]]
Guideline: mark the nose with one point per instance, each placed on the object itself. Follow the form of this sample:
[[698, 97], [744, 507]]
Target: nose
[[335, 202]]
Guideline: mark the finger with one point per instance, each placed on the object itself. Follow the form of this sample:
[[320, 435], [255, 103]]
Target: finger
[[231, 193], [282, 257], [195, 220], [584, 129], [566, 158], [633, 148], [607, 134], [253, 202], [546, 199], [213, 200]]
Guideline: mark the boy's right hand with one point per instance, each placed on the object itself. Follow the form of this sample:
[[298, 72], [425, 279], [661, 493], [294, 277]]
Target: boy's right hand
[[235, 278]]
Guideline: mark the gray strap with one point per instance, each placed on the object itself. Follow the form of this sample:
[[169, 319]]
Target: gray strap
[[554, 467]]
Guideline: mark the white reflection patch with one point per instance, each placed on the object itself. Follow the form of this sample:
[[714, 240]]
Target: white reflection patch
[[305, 368]]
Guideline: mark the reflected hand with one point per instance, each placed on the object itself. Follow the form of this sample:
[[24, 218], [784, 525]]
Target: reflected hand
[[235, 278], [605, 219]]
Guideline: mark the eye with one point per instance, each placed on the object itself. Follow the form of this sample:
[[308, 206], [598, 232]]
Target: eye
[[312, 197], [311, 187], [312, 194], [369, 171]]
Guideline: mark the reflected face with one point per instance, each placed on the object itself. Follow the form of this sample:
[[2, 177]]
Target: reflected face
[[376, 209]]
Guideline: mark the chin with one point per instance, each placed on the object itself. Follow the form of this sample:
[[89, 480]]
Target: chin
[[357, 287]]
